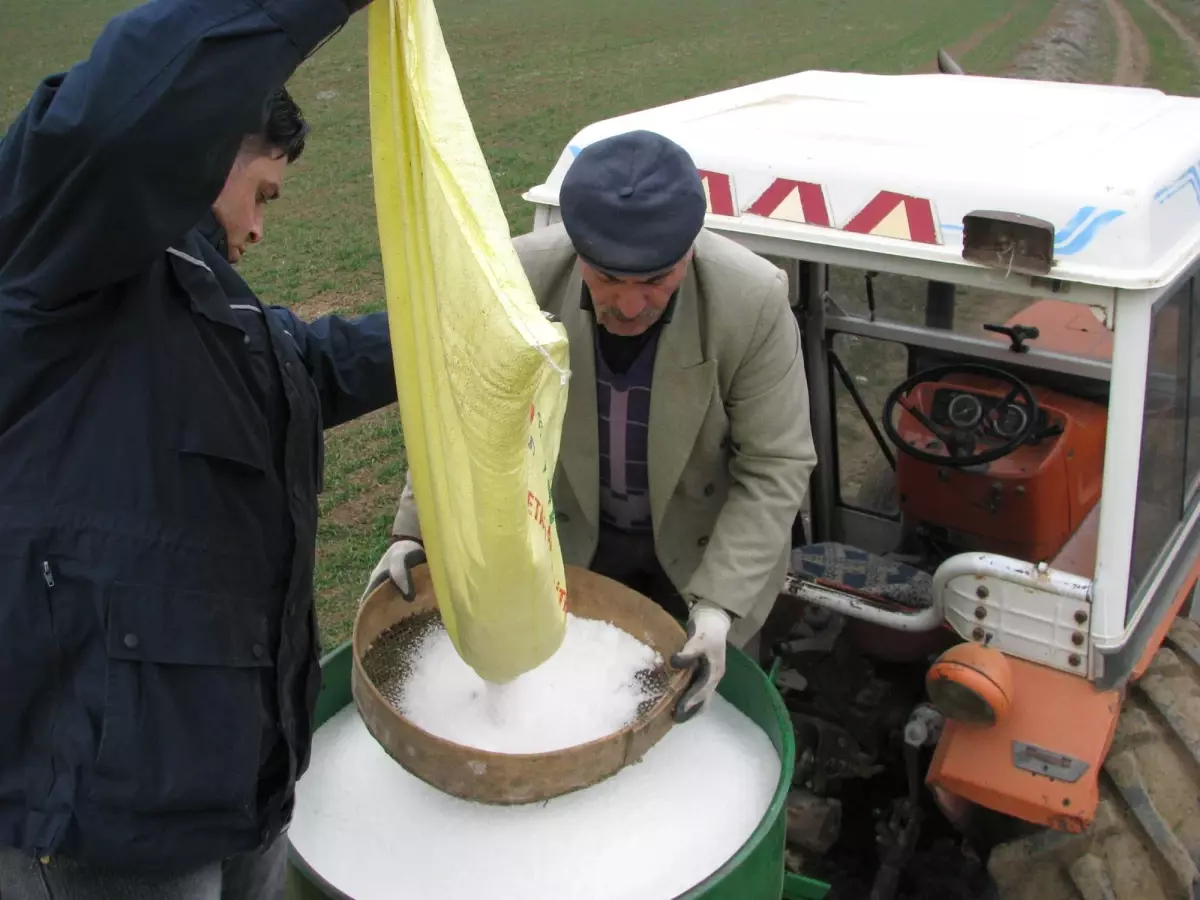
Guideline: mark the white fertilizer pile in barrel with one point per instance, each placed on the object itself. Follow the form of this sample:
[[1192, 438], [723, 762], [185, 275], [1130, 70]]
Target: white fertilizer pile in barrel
[[589, 689], [652, 831]]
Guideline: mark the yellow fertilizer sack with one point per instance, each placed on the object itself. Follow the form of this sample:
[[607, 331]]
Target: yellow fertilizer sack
[[481, 373]]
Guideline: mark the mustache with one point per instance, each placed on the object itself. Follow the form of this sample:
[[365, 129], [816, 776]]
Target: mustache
[[618, 316]]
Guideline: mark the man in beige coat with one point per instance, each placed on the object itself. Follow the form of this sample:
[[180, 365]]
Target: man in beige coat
[[686, 448]]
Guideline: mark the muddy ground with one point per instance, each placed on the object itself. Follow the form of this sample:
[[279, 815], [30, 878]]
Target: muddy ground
[[1064, 49]]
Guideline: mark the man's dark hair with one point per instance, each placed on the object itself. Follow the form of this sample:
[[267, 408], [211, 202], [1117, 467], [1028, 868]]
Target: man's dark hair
[[284, 129]]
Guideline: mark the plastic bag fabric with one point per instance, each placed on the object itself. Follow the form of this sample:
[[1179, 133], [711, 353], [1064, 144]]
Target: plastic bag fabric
[[481, 372]]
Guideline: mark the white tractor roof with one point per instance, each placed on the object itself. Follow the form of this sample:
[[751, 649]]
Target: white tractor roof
[[891, 164]]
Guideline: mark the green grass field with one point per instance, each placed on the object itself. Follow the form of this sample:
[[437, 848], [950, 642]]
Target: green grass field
[[1172, 65], [1187, 10], [532, 73]]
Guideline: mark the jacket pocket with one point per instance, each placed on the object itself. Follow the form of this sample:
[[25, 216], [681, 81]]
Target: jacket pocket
[[183, 710], [224, 437], [228, 459]]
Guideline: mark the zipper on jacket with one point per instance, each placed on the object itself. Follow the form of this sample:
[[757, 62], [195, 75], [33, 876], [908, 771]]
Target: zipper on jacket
[[43, 853]]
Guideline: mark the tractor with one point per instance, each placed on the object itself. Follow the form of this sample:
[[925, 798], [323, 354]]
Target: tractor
[[984, 642]]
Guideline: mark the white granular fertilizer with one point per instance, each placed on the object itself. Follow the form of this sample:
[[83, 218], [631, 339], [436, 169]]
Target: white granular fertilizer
[[651, 832], [587, 690]]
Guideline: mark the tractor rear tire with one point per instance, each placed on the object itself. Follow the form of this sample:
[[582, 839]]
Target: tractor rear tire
[[1145, 841]]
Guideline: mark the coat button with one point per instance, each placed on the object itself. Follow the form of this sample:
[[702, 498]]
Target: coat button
[[703, 542], [246, 339], [257, 650], [710, 489], [130, 641]]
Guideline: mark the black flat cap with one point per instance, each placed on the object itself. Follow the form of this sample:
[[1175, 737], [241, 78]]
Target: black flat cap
[[632, 204]]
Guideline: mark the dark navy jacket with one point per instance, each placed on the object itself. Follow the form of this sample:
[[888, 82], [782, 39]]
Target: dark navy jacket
[[160, 453]]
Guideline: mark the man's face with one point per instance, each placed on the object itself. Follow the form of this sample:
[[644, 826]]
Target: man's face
[[254, 181], [628, 306]]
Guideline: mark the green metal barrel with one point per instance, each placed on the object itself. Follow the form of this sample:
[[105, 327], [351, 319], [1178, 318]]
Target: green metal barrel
[[754, 873]]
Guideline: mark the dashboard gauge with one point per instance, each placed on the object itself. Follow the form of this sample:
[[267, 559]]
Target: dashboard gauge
[[964, 411], [1010, 421]]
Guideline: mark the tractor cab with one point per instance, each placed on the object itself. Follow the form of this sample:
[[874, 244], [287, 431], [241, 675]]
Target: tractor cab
[[999, 334]]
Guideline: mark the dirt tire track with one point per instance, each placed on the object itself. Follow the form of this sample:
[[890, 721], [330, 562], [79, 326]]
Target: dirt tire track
[[1189, 40], [978, 36], [1062, 48], [1133, 52]]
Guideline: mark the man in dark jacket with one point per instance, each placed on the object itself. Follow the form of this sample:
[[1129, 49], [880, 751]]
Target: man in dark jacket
[[160, 457]]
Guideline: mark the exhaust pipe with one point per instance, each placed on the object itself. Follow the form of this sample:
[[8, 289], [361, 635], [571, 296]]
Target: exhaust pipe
[[947, 66]]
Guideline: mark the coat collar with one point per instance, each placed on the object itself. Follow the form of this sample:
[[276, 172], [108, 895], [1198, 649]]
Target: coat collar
[[214, 232], [679, 398], [199, 262]]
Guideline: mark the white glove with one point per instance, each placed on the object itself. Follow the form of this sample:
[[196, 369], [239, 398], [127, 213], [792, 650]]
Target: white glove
[[395, 564], [707, 630]]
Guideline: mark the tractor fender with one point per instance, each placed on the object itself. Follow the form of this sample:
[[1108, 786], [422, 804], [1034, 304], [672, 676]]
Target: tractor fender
[[1144, 843]]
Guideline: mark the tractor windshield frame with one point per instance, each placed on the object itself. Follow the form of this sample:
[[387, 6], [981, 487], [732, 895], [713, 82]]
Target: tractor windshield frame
[[1150, 560]]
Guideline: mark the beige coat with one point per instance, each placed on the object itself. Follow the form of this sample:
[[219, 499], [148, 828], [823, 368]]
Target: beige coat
[[730, 447]]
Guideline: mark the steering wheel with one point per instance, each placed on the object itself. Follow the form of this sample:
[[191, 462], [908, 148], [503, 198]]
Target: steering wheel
[[959, 439]]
